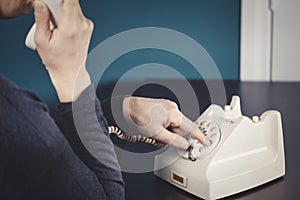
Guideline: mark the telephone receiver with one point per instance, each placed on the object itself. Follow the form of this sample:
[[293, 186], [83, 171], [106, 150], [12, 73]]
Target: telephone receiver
[[244, 153], [55, 7]]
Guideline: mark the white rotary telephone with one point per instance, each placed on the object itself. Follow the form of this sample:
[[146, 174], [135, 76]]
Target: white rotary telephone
[[244, 153]]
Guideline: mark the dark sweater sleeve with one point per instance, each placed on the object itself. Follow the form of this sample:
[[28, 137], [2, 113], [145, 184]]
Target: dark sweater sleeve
[[83, 124]]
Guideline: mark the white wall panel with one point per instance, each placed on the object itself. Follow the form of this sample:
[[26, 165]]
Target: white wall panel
[[286, 41], [270, 40]]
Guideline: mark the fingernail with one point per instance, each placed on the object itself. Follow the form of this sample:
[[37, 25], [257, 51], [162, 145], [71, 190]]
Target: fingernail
[[207, 142], [38, 6]]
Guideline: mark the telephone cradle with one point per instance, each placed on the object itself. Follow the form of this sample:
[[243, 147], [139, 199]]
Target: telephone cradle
[[244, 154]]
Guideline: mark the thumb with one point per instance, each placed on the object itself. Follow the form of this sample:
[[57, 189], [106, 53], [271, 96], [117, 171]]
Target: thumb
[[42, 20]]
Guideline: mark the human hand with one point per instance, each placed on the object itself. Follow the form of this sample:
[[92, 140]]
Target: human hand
[[64, 49], [161, 120]]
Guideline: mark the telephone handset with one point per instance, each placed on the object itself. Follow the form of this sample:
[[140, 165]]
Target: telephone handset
[[55, 7]]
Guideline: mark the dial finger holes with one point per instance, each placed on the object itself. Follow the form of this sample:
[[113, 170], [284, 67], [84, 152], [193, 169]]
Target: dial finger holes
[[208, 124], [202, 122], [212, 129]]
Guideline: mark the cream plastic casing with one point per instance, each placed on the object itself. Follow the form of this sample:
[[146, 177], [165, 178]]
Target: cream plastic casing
[[55, 7], [250, 153]]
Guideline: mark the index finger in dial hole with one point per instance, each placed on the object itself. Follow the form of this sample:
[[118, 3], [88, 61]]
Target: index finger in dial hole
[[191, 128]]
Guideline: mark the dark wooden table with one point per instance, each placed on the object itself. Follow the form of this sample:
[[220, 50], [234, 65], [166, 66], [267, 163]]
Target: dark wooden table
[[255, 99]]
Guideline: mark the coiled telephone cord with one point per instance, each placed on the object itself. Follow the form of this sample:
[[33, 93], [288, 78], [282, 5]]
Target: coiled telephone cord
[[133, 138]]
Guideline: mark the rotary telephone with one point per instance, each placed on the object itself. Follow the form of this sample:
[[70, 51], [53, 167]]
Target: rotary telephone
[[244, 153]]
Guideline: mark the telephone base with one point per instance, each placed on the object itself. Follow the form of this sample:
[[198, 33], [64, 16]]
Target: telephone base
[[250, 153]]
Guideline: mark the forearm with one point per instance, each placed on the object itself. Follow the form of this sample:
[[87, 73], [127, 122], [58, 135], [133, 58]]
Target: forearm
[[69, 85], [84, 125]]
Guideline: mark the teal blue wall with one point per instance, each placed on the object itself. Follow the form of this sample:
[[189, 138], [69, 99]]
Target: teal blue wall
[[215, 24]]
